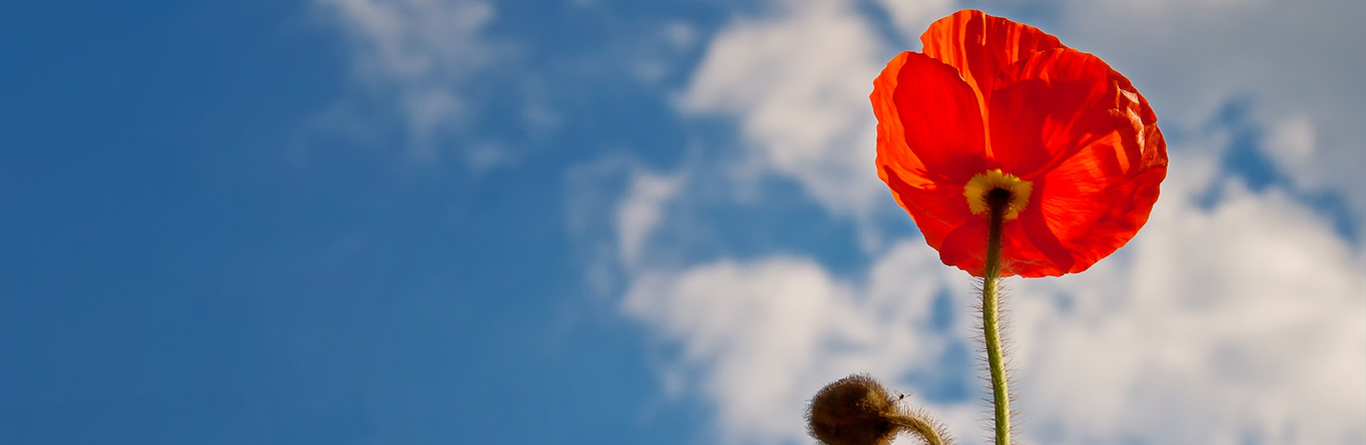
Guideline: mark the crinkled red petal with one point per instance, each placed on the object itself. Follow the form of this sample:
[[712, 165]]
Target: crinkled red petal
[[930, 140], [1052, 105], [981, 46], [1090, 143], [936, 209], [1093, 220]]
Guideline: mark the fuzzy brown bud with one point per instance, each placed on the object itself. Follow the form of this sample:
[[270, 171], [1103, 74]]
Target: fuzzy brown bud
[[857, 410]]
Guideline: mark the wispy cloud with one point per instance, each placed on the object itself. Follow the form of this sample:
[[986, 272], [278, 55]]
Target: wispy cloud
[[1223, 325], [641, 211], [796, 82], [418, 67], [759, 337]]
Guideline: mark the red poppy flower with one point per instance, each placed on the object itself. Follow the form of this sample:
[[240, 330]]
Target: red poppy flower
[[994, 104]]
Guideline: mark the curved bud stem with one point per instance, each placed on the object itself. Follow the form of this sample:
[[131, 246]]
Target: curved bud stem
[[991, 319], [919, 427]]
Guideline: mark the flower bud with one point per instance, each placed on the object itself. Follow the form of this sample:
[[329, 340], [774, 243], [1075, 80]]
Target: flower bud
[[857, 410]]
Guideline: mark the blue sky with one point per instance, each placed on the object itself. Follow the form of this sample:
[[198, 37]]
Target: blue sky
[[594, 221]]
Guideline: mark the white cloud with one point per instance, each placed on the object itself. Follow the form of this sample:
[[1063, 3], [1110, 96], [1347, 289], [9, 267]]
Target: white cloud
[[1293, 143], [913, 17], [1244, 321], [763, 336], [418, 58], [641, 210], [615, 207], [798, 83]]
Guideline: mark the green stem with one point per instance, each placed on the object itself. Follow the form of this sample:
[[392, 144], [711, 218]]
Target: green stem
[[991, 319]]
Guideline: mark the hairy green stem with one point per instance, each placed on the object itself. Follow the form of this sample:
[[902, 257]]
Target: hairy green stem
[[991, 329]]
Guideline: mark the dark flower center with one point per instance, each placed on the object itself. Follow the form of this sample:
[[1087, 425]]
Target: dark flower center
[[998, 197], [996, 190]]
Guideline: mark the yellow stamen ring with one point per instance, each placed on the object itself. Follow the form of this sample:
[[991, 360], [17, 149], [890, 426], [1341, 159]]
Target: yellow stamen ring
[[981, 185]]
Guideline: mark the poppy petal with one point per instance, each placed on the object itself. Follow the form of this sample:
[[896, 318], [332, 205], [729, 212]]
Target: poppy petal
[[1054, 104], [966, 246], [981, 46], [1091, 215], [929, 126], [930, 140], [1091, 145], [937, 210]]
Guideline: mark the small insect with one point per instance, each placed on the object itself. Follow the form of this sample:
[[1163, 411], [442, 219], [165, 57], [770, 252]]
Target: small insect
[[901, 395]]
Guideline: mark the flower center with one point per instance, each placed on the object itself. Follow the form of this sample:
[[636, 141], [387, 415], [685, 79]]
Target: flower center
[[996, 187]]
